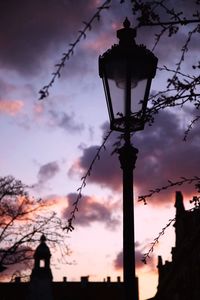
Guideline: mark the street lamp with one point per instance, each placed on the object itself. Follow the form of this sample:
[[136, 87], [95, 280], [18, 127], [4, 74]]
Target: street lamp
[[127, 70]]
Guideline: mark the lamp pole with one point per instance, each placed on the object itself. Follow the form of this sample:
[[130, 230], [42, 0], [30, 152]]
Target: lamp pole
[[127, 157], [127, 70]]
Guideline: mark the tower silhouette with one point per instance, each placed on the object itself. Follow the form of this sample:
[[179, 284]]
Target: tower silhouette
[[41, 276]]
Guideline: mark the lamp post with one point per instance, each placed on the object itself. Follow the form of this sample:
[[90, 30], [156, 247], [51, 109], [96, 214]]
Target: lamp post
[[127, 70]]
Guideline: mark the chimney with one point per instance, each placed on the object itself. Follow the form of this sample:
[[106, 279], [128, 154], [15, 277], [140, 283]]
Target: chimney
[[84, 279], [108, 279], [17, 279]]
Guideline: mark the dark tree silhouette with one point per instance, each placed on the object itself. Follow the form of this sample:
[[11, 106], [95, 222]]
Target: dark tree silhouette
[[22, 221]]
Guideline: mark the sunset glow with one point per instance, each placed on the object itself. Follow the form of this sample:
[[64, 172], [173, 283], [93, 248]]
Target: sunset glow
[[50, 144]]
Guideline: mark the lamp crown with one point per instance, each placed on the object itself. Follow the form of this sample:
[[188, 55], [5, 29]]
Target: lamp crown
[[127, 34]]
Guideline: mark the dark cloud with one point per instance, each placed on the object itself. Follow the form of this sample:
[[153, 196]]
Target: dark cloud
[[32, 30], [105, 171], [92, 211], [48, 171], [29, 29], [163, 156], [118, 261]]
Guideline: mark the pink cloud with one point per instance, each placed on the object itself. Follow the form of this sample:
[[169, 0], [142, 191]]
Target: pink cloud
[[100, 44], [38, 109], [11, 108]]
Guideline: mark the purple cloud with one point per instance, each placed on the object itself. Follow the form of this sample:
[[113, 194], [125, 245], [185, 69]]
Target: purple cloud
[[118, 261], [163, 156], [65, 121], [48, 171], [91, 211], [29, 30]]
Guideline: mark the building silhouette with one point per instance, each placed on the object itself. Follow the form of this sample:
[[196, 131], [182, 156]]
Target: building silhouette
[[42, 287], [180, 278]]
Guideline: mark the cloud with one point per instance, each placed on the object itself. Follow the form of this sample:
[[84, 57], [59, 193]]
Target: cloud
[[29, 33], [163, 156], [98, 45], [28, 30], [92, 211], [38, 110], [105, 171], [65, 121], [48, 171], [118, 261], [11, 108], [6, 88]]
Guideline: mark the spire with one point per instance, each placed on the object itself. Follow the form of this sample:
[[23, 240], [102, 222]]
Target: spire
[[179, 203], [160, 262], [43, 238]]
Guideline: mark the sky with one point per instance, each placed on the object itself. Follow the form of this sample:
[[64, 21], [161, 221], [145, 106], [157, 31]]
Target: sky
[[50, 143]]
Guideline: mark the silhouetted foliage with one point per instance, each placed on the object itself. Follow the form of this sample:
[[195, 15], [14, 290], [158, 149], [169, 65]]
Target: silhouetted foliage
[[22, 221], [181, 88]]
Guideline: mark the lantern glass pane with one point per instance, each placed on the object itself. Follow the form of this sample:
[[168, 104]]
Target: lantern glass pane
[[118, 99], [137, 96]]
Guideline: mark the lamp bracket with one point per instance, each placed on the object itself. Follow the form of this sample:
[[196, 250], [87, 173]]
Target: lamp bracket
[[127, 156]]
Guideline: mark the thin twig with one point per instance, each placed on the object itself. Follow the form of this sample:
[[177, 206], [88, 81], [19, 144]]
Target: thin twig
[[44, 92], [181, 22], [190, 126], [69, 226], [196, 202], [183, 180], [156, 241]]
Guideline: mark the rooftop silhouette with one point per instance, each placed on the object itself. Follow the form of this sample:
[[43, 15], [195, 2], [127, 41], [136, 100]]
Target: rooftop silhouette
[[179, 278], [42, 287]]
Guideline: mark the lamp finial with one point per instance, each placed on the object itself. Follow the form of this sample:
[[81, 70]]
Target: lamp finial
[[127, 34], [126, 23]]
